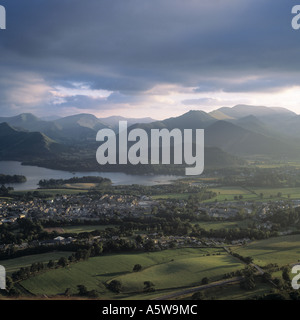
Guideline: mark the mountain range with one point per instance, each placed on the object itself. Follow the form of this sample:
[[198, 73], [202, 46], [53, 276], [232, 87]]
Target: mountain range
[[22, 145], [68, 129], [232, 135]]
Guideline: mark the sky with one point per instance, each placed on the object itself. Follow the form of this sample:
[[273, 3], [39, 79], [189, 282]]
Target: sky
[[147, 58]]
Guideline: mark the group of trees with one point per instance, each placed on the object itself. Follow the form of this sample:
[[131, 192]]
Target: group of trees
[[4, 191], [59, 182], [233, 233], [168, 224], [247, 260], [23, 231], [137, 267], [4, 178], [282, 289], [282, 218], [260, 177], [81, 254], [116, 286], [248, 283]]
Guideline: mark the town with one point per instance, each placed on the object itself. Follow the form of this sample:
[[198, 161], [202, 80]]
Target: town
[[142, 215]]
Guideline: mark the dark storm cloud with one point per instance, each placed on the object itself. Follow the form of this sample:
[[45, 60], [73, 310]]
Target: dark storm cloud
[[132, 45], [86, 102]]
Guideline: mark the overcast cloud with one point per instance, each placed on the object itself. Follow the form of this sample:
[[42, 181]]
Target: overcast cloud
[[147, 58]]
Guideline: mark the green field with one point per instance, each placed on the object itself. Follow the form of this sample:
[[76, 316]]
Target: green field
[[293, 193], [181, 272], [235, 292], [86, 228], [228, 194], [166, 269], [12, 265], [223, 193], [253, 194], [216, 225], [295, 164], [281, 250]]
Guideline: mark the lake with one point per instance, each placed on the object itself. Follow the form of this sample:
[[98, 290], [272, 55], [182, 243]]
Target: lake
[[35, 174]]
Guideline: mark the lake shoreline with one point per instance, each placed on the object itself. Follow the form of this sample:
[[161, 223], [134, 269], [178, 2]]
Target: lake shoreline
[[36, 173], [88, 166]]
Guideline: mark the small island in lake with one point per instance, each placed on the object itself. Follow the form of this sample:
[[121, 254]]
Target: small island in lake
[[56, 183], [4, 178]]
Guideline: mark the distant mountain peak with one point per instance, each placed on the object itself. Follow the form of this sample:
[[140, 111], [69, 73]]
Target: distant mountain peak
[[28, 117], [243, 110], [195, 114], [80, 116], [196, 119]]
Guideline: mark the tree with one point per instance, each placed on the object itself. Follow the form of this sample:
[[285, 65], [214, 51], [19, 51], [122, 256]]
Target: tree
[[149, 245], [14, 292], [34, 268], [139, 239], [63, 262], [172, 244], [278, 282], [285, 274], [149, 286], [248, 260], [72, 258], [93, 294], [248, 283], [274, 296], [198, 296], [9, 283], [204, 280], [82, 254], [67, 292], [137, 267], [266, 277], [51, 264], [97, 249], [82, 290], [3, 191], [115, 286]]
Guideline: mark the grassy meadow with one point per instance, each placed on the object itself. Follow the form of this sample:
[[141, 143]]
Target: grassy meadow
[[12, 265], [254, 194], [169, 269], [86, 228], [181, 272], [281, 250], [216, 225]]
